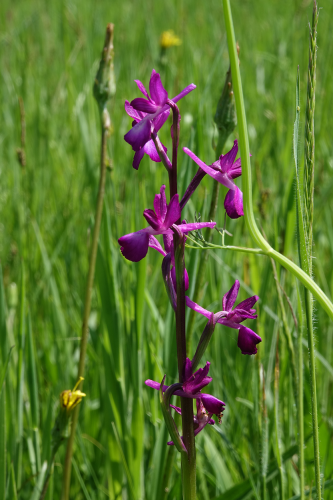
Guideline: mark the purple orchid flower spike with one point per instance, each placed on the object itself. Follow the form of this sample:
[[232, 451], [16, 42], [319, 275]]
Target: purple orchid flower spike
[[224, 171], [134, 246], [247, 339], [151, 107], [192, 385]]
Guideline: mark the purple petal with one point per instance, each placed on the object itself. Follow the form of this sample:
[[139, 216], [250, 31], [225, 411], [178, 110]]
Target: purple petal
[[150, 150], [247, 304], [157, 92], [173, 212], [187, 371], [236, 169], [212, 404], [141, 104], [139, 134], [155, 244], [133, 113], [184, 92], [227, 160], [180, 392], [137, 158], [215, 174], [233, 203], [247, 340], [198, 381], [168, 242], [142, 88], [197, 308], [152, 219], [134, 246], [230, 297], [160, 119], [178, 410], [194, 226], [160, 204]]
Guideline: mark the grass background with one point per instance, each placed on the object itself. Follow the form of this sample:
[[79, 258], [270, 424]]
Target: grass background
[[49, 54]]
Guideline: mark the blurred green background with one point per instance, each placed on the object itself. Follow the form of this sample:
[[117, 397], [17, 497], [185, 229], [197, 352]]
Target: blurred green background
[[49, 54]]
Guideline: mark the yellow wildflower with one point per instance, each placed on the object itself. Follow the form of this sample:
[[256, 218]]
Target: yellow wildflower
[[69, 399], [169, 39]]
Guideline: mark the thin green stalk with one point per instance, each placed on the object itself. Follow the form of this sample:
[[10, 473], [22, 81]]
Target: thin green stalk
[[287, 332], [257, 236], [103, 89], [276, 420], [309, 134], [300, 420], [259, 240], [308, 222], [87, 306]]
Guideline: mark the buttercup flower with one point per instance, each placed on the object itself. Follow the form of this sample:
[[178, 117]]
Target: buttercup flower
[[134, 246], [224, 171], [152, 106], [247, 339]]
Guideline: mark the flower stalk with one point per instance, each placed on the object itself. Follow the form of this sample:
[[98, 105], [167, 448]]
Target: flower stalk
[[104, 88]]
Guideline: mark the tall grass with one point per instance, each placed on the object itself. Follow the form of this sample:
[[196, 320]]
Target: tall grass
[[48, 55]]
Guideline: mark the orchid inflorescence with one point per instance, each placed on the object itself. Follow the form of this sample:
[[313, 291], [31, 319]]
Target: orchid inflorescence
[[149, 114]]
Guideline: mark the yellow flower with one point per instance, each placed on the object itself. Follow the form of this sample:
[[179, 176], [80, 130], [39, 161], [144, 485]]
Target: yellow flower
[[69, 399], [169, 39]]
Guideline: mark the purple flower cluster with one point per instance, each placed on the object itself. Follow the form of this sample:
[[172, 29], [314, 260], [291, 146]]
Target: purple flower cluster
[[149, 114], [207, 405]]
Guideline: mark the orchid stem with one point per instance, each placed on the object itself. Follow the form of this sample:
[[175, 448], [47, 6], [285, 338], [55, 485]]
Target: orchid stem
[[87, 307], [188, 459]]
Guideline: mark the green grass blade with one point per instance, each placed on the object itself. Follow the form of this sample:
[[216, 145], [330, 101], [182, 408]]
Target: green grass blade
[[33, 390], [3, 443], [12, 491], [4, 370], [39, 483]]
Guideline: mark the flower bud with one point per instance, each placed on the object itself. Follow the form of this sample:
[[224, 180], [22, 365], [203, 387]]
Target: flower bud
[[225, 116], [105, 84]]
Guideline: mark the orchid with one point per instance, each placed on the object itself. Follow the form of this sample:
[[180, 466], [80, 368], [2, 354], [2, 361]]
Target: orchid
[[224, 171], [207, 405], [247, 339], [149, 147], [134, 246], [150, 109]]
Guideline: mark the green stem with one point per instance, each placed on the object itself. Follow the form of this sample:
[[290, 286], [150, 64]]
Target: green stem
[[300, 402], [246, 173], [303, 277], [87, 306]]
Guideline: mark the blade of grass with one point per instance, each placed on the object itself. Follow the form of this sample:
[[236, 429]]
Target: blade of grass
[[33, 389], [3, 443]]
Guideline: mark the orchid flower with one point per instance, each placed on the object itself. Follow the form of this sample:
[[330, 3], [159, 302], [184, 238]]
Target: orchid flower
[[207, 405], [151, 107], [134, 246], [247, 339], [224, 171], [149, 147]]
